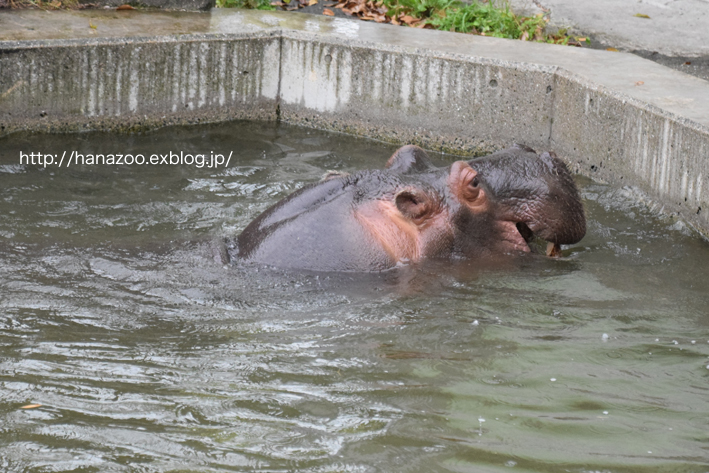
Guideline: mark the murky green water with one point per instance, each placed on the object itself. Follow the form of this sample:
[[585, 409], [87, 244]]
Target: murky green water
[[147, 356]]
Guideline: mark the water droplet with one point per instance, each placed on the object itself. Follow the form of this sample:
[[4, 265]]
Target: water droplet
[[475, 322], [605, 413], [604, 337], [553, 379]]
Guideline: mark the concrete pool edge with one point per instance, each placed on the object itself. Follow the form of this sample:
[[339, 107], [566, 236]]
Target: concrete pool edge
[[444, 91]]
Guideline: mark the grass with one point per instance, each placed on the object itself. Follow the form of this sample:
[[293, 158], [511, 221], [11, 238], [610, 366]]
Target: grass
[[486, 18], [481, 17], [251, 4]]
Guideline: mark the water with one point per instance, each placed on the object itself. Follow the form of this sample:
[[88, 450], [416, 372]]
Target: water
[[148, 356]]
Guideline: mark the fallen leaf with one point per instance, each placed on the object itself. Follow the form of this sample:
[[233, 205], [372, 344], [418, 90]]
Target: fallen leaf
[[92, 26], [409, 20], [639, 82], [31, 406], [688, 63], [312, 2], [641, 15], [538, 34], [328, 12], [612, 49], [525, 36], [581, 38], [125, 7]]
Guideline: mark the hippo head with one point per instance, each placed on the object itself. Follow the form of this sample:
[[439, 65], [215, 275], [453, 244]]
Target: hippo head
[[412, 211]]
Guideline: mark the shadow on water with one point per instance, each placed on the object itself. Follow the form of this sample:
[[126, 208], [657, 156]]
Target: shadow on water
[[147, 355]]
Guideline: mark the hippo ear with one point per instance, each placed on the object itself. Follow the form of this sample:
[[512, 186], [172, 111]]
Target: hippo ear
[[409, 158], [413, 204]]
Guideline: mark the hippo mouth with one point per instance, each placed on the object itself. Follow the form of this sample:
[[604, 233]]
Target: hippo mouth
[[517, 237], [552, 249], [525, 232]]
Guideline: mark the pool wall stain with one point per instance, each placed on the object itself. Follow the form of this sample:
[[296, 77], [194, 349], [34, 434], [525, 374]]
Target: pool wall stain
[[630, 143], [467, 106], [443, 91], [137, 84]]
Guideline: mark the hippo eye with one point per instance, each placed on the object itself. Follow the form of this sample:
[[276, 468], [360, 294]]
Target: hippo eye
[[474, 182]]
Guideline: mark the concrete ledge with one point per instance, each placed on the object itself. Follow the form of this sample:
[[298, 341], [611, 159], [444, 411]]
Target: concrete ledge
[[612, 116], [181, 5]]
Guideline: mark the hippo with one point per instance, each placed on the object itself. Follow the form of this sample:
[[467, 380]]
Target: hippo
[[412, 211]]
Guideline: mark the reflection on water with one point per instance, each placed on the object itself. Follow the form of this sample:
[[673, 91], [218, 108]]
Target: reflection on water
[[146, 355]]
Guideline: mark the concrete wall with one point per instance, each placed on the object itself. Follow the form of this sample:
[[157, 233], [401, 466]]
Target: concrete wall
[[440, 90], [450, 105], [630, 143], [130, 84]]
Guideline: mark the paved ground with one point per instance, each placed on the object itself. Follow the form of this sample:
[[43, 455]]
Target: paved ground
[[676, 34]]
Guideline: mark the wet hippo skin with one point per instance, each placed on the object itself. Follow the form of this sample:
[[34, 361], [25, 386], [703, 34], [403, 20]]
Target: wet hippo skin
[[374, 220]]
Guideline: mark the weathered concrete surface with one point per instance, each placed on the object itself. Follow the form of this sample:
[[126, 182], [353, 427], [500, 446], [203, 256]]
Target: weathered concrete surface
[[22, 25], [610, 115], [449, 104], [178, 5], [137, 83], [674, 35], [674, 27]]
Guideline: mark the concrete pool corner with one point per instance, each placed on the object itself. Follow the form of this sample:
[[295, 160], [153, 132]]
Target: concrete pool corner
[[611, 116]]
